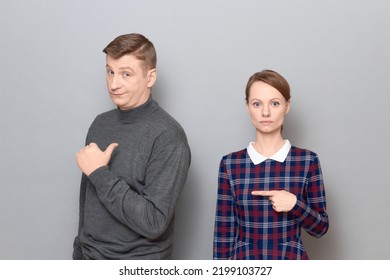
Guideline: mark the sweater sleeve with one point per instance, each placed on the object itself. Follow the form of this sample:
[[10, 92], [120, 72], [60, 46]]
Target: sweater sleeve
[[77, 254], [225, 218], [311, 207], [150, 212]]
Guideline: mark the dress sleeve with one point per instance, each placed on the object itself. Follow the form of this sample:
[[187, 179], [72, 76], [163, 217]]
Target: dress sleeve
[[150, 212], [225, 218], [311, 207]]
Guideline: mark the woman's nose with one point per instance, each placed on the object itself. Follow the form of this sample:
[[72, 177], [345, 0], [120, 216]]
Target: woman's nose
[[266, 112]]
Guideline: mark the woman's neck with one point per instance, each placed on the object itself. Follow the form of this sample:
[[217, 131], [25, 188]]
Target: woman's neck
[[268, 144]]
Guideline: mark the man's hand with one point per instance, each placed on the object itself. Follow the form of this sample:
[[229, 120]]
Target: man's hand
[[282, 201], [91, 157]]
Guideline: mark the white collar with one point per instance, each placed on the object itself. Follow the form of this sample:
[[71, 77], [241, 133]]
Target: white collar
[[280, 155]]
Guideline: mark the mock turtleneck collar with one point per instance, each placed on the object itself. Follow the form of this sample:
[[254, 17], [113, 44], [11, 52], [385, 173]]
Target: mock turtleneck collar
[[134, 114]]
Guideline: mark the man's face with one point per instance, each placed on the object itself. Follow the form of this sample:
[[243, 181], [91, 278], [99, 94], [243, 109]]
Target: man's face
[[128, 82]]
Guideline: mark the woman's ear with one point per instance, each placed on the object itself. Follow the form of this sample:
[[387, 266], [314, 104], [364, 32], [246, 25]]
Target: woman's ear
[[287, 108]]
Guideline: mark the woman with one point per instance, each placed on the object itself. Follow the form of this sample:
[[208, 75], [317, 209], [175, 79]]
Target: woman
[[270, 190]]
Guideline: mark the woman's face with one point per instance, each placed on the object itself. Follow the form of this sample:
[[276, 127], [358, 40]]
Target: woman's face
[[267, 108]]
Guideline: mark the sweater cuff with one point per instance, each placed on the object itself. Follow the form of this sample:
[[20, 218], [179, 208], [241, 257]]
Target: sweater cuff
[[96, 175]]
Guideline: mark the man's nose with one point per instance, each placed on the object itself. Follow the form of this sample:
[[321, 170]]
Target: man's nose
[[114, 83]]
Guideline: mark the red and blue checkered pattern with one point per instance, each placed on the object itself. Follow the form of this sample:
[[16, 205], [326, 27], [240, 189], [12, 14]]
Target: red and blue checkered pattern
[[246, 226]]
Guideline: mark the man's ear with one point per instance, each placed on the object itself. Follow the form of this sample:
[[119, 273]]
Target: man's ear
[[152, 76]]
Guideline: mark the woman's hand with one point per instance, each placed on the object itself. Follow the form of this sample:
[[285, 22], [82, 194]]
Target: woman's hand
[[282, 201]]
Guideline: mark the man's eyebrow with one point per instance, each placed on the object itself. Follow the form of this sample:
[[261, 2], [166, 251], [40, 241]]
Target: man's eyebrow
[[126, 68], [121, 68]]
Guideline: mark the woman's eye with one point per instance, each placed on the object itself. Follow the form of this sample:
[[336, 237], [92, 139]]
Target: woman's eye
[[256, 104], [275, 104]]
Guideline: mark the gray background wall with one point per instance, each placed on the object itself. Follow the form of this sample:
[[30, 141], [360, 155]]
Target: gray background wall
[[335, 54]]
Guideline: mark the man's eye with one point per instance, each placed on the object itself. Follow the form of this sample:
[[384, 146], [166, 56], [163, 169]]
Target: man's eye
[[110, 72]]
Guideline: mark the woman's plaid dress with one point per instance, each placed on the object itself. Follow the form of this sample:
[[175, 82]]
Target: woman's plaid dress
[[247, 227]]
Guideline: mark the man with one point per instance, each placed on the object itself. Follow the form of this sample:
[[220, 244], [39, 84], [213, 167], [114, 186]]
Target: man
[[134, 165]]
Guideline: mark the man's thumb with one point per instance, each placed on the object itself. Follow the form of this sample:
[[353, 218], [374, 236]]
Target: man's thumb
[[111, 148]]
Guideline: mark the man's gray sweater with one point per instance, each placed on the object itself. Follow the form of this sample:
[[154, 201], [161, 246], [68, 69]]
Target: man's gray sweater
[[127, 208]]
